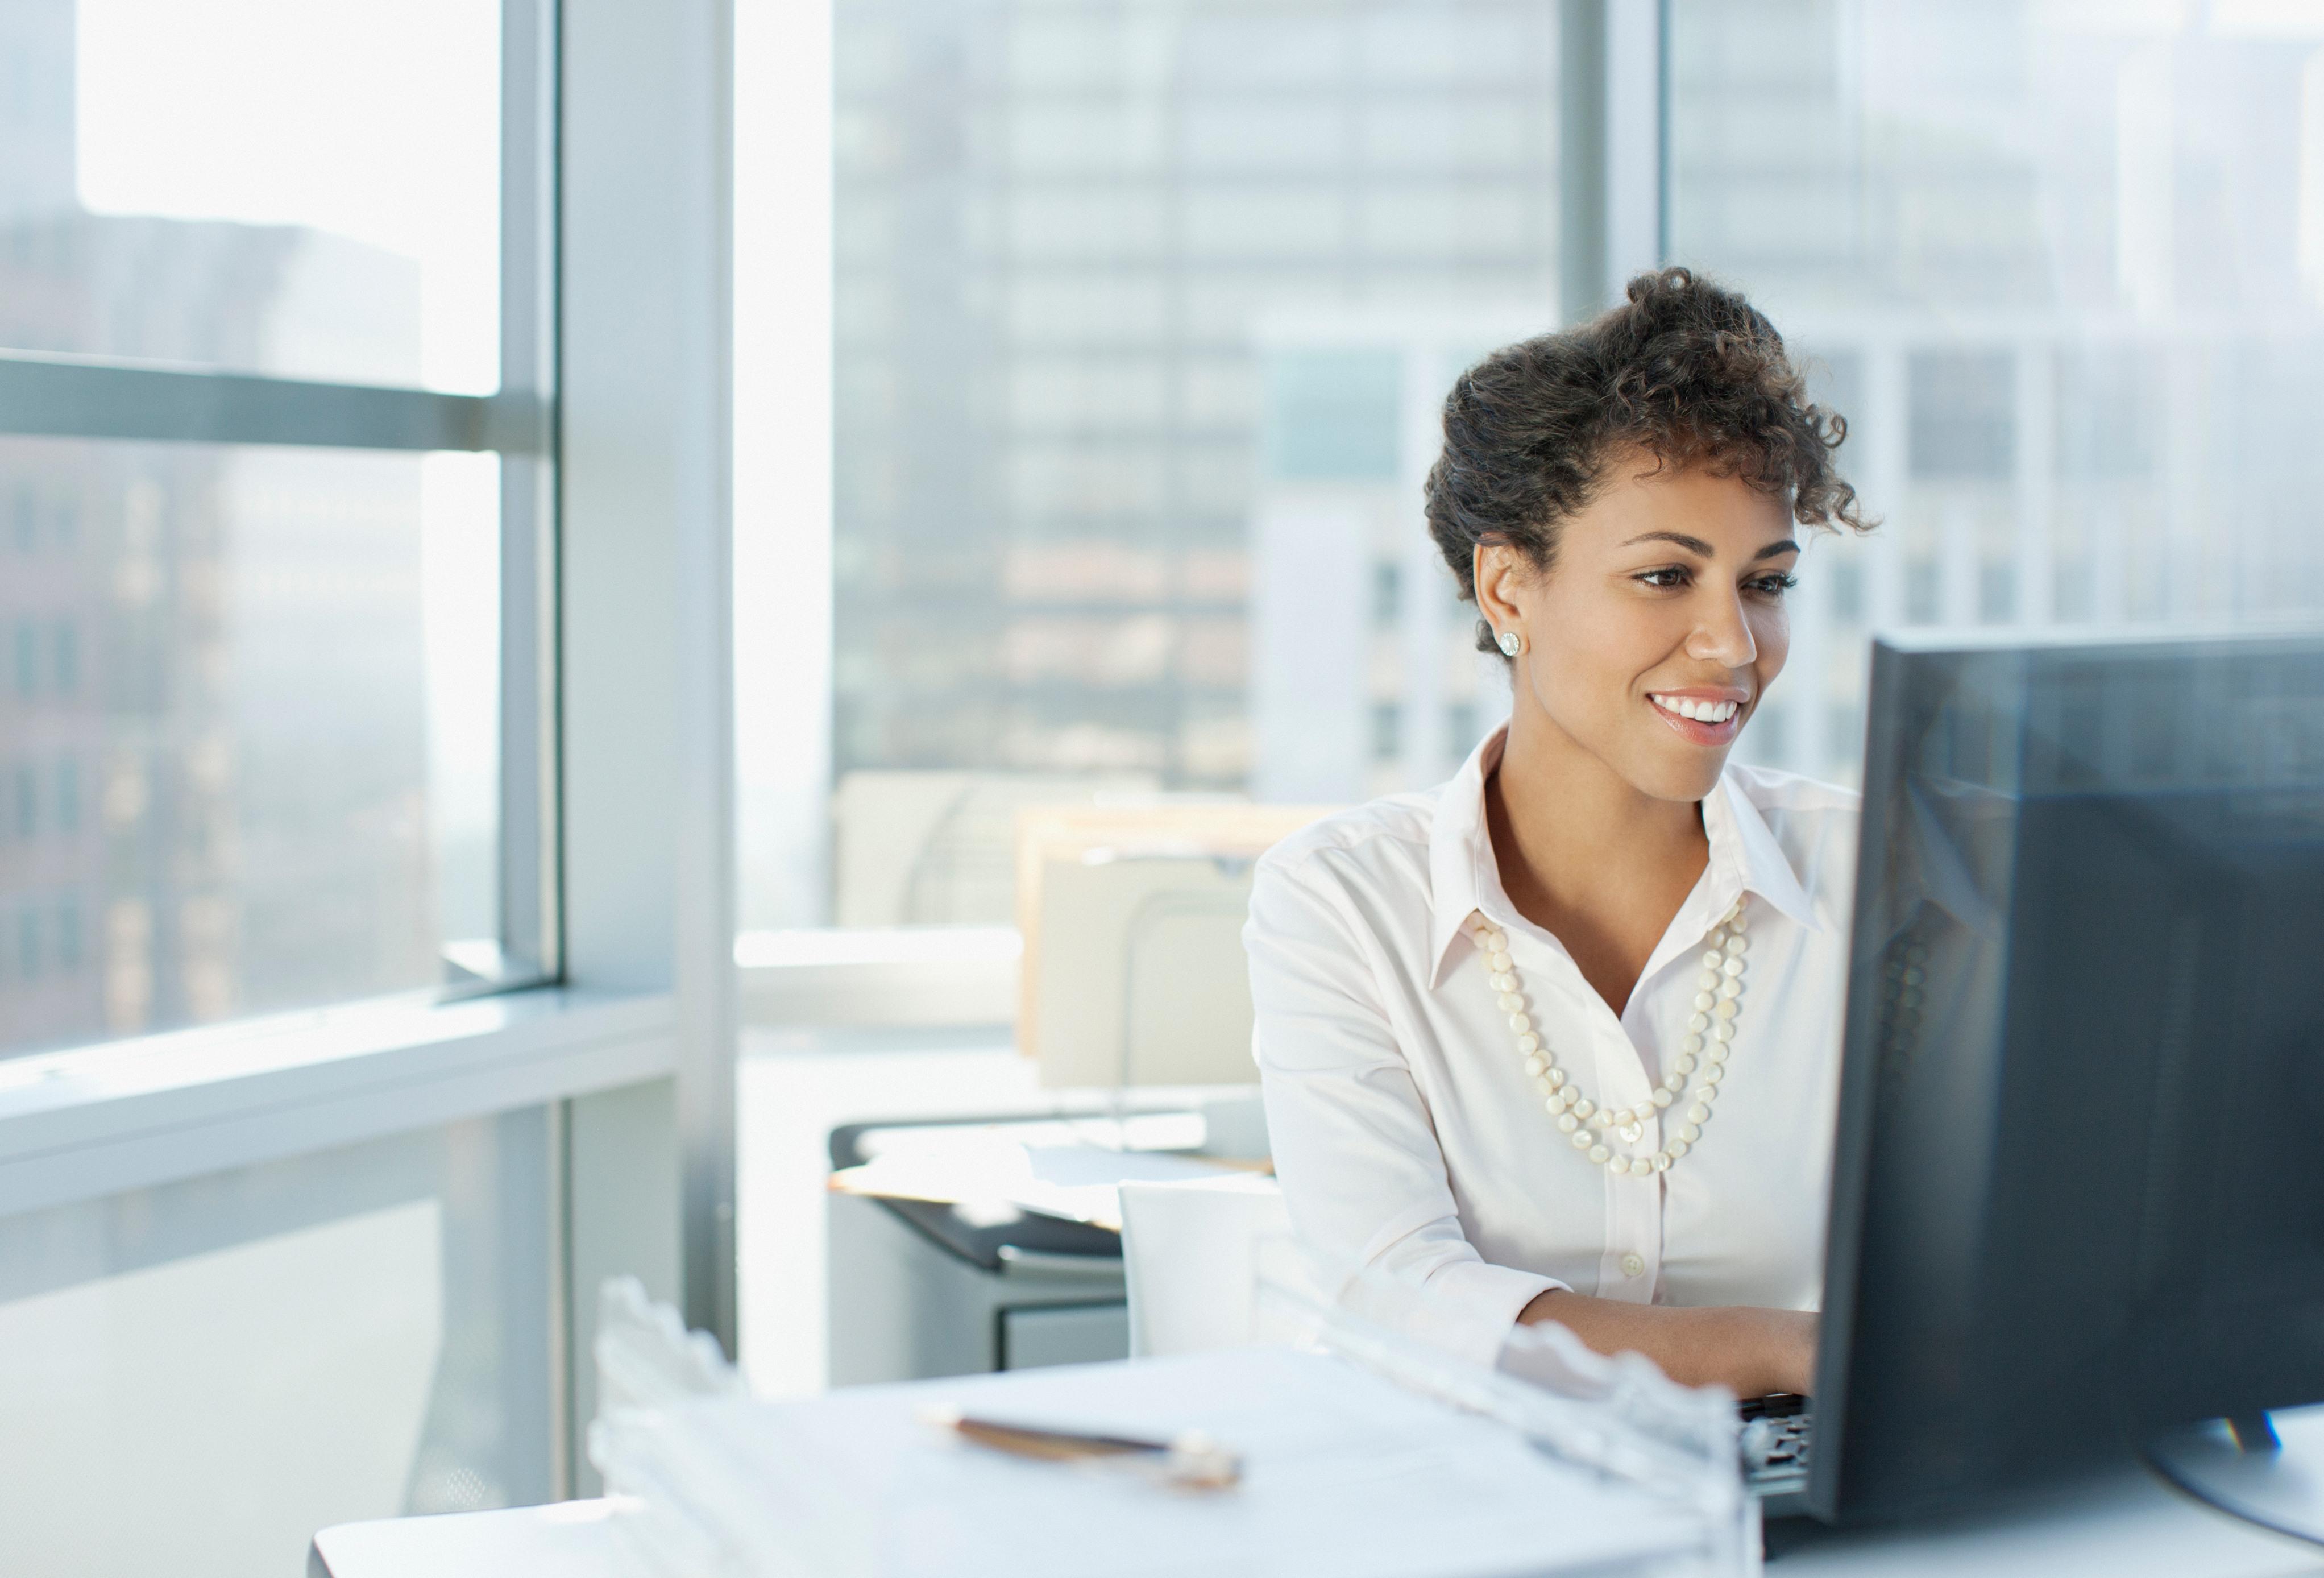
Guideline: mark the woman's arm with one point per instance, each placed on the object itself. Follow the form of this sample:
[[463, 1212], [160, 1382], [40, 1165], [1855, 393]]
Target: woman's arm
[[1750, 1352], [1354, 1145]]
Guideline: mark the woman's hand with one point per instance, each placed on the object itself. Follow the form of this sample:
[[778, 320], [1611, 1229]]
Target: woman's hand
[[1750, 1352]]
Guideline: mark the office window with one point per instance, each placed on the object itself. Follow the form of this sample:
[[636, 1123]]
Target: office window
[[1130, 303], [310, 190], [245, 1357], [296, 713], [259, 634], [2063, 268]]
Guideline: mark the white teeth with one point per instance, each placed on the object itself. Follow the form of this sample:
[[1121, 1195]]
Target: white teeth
[[1706, 712]]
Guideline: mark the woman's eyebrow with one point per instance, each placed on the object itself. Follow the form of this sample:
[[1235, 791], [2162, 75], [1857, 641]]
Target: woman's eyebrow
[[1696, 545], [1691, 544]]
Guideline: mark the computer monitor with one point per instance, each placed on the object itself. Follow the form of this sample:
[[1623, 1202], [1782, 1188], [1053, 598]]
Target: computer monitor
[[2079, 1183]]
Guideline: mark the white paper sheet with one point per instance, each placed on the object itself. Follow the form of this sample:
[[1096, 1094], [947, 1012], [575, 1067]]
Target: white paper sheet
[[1345, 1474]]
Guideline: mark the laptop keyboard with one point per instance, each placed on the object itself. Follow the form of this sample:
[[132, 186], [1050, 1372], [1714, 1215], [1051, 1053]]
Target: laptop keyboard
[[1775, 1435]]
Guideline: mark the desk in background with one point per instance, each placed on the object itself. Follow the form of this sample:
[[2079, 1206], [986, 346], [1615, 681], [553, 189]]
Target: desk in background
[[968, 1282], [921, 1287]]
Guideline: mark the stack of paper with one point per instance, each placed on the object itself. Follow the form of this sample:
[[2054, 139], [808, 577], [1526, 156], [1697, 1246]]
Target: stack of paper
[[1344, 1473]]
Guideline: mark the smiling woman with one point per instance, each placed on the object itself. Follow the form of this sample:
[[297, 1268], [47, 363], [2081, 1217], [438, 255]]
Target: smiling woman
[[1493, 1018]]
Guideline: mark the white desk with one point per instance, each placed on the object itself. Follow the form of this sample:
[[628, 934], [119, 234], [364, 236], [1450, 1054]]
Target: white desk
[[568, 1539], [2127, 1527]]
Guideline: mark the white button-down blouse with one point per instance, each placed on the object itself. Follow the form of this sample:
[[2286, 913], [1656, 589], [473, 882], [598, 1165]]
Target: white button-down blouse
[[1407, 1135]]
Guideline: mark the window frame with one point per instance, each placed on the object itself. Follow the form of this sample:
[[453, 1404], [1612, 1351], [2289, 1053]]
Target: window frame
[[616, 348], [53, 395]]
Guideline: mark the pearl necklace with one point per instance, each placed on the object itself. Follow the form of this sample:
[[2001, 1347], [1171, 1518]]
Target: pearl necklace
[[1701, 1052]]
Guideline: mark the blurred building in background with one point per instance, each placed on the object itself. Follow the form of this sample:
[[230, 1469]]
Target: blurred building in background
[[1365, 677], [212, 759], [1058, 230], [1144, 315], [2059, 264]]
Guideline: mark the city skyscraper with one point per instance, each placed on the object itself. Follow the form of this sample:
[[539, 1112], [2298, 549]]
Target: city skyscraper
[[1059, 230]]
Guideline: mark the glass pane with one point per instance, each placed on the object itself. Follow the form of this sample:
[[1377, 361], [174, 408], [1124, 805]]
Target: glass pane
[[300, 186], [249, 731], [1136, 309], [245, 1358], [2062, 267]]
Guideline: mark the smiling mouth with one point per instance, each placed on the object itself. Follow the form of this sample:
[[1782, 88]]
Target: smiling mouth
[[1704, 711]]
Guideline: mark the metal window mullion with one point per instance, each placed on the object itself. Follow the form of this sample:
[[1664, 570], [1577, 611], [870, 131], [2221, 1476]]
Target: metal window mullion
[[1614, 170], [78, 397], [531, 864], [1635, 121], [530, 928]]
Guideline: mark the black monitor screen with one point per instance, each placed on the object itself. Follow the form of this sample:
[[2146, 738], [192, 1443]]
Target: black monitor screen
[[2079, 1190]]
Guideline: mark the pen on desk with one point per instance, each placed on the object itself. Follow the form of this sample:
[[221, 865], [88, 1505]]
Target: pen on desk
[[1189, 1459]]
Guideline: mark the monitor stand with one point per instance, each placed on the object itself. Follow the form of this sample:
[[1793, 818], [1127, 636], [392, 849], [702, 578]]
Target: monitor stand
[[2268, 1468]]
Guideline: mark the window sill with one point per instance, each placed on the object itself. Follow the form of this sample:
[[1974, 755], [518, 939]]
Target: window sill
[[129, 1114]]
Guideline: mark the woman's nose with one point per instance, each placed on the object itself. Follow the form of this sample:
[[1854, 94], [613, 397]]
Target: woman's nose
[[1724, 636]]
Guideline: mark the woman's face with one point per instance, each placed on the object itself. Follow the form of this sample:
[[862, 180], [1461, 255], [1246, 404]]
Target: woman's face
[[1665, 598]]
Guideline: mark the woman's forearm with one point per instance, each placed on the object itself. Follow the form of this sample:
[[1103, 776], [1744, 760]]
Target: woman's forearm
[[1750, 1352]]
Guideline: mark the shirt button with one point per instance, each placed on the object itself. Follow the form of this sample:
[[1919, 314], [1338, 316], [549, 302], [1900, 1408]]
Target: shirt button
[[1632, 1266]]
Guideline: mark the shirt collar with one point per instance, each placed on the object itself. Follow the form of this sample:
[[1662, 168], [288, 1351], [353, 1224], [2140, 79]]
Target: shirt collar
[[1756, 863], [1457, 839], [1464, 879]]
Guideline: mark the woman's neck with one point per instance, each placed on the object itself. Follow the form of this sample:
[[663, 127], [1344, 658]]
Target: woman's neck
[[1588, 857]]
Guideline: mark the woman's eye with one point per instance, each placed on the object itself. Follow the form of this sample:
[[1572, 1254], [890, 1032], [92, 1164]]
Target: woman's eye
[[1662, 578], [1774, 586]]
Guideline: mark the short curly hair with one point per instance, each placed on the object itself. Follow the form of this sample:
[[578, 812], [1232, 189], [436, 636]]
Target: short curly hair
[[1685, 369]]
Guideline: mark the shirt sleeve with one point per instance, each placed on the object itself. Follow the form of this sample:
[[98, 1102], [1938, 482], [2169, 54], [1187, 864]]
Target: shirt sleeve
[[1354, 1147]]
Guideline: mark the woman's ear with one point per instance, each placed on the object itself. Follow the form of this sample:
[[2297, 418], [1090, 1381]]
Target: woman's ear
[[1498, 575]]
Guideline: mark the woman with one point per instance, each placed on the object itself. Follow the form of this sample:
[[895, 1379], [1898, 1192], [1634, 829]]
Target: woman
[[1495, 1019]]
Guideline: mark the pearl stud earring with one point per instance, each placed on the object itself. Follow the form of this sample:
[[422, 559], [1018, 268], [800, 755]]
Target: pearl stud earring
[[1511, 643]]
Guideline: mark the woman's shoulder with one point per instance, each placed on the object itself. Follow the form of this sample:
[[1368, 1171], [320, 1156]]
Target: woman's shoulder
[[1388, 827], [1346, 874]]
